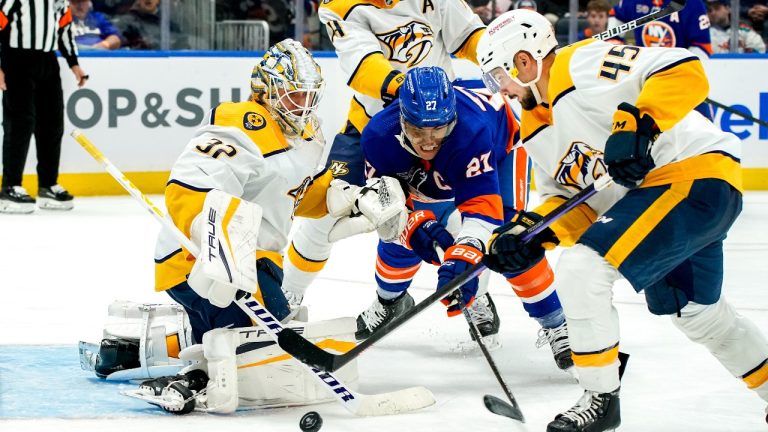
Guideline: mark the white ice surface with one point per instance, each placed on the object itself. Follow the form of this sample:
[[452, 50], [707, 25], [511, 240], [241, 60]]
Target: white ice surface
[[61, 270]]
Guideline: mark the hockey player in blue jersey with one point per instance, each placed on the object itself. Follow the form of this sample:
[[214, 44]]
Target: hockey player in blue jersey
[[688, 29], [452, 149]]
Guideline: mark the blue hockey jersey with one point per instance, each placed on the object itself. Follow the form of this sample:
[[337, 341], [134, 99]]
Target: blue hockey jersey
[[685, 29], [466, 168]]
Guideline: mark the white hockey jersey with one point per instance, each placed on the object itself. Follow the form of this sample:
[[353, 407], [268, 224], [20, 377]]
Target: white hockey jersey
[[375, 37], [566, 138], [242, 152]]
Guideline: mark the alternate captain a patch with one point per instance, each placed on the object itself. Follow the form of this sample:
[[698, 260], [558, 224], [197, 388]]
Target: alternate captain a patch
[[409, 44], [254, 121], [580, 166]]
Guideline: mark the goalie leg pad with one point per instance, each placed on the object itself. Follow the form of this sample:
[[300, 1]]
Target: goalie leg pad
[[733, 339], [142, 341]]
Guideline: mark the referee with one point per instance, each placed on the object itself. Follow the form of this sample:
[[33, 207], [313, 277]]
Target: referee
[[33, 102]]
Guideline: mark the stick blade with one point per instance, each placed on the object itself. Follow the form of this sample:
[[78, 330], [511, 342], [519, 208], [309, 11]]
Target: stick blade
[[304, 350], [401, 401], [499, 407]]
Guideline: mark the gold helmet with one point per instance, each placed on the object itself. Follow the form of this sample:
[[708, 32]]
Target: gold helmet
[[289, 83]]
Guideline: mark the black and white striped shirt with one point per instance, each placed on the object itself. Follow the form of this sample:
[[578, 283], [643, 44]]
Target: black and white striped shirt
[[38, 25]]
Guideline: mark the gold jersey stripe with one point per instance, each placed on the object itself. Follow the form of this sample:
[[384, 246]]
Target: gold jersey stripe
[[596, 359], [647, 221], [304, 264]]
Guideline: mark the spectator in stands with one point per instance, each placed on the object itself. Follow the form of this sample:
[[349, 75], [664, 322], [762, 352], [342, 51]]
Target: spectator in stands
[[92, 30], [141, 27], [112, 7], [719, 12], [597, 18], [483, 9], [526, 4], [757, 13]]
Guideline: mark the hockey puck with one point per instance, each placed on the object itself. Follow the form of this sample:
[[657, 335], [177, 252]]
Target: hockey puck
[[311, 422]]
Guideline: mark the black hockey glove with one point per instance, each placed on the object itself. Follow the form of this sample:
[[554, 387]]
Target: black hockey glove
[[390, 88], [628, 149], [507, 251]]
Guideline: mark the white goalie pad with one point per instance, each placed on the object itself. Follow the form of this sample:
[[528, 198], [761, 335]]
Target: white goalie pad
[[266, 375], [162, 331], [379, 205], [228, 228]]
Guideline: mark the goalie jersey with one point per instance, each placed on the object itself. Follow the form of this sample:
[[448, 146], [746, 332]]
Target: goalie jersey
[[377, 40], [465, 169], [588, 80], [242, 151]]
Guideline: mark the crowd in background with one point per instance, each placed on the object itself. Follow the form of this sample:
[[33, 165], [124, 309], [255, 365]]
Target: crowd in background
[[136, 24]]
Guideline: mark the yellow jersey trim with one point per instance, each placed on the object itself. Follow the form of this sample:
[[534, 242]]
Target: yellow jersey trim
[[560, 80], [370, 74], [313, 204], [639, 230], [569, 227], [661, 96], [468, 49], [255, 121], [304, 264], [357, 115], [709, 165], [343, 8]]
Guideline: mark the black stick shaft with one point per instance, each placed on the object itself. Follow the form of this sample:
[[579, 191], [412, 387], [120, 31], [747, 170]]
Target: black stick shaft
[[737, 112]]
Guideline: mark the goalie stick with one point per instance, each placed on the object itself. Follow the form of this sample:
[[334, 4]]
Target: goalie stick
[[304, 350], [405, 400]]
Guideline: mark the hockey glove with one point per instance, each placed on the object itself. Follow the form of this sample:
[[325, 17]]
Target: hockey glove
[[628, 149], [507, 251], [457, 259], [390, 88], [423, 234]]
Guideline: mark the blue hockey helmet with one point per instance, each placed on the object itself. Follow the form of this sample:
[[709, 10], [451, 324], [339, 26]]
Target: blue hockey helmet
[[427, 98]]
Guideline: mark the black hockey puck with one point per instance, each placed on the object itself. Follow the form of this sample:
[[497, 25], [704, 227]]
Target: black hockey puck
[[311, 422]]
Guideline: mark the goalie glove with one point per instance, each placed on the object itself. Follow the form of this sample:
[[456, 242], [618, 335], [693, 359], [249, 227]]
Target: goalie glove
[[379, 205], [227, 229]]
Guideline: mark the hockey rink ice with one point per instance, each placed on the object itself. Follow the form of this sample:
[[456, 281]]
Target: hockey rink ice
[[60, 271]]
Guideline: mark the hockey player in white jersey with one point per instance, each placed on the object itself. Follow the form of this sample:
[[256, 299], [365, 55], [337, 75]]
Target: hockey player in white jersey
[[593, 109], [377, 41], [261, 155]]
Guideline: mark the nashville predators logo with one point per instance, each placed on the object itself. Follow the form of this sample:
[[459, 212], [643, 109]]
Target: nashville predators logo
[[579, 164], [338, 168], [253, 121], [409, 44], [658, 34]]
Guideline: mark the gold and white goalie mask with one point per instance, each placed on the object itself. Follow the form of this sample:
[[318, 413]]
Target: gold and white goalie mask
[[289, 83]]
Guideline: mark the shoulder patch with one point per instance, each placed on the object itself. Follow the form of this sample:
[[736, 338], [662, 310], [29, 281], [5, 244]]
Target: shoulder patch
[[343, 8], [255, 121]]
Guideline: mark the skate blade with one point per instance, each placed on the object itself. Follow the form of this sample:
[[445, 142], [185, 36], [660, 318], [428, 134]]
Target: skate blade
[[16, 208], [158, 401], [491, 342], [51, 204], [88, 352]]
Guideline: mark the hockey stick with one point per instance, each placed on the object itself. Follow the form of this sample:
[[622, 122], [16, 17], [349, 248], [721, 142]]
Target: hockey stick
[[724, 107], [304, 350], [511, 410], [405, 400], [672, 7]]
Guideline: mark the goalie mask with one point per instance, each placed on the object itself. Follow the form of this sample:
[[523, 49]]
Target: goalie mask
[[512, 32], [289, 83]]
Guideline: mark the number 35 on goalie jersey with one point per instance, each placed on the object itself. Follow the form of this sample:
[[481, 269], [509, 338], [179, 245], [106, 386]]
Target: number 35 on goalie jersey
[[475, 167], [243, 152]]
